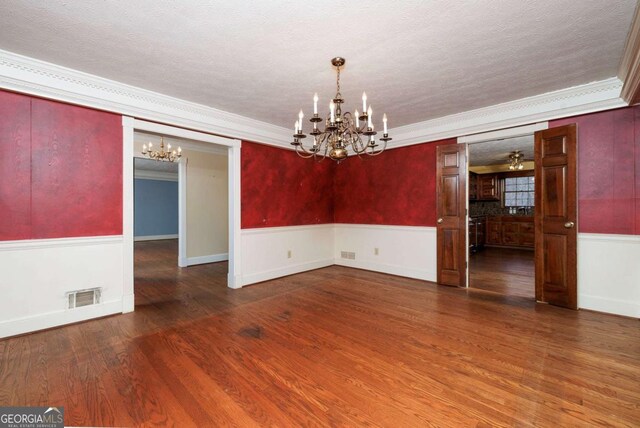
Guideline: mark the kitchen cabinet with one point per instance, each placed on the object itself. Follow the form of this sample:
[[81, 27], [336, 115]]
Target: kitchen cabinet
[[473, 186], [484, 187], [511, 231], [488, 187]]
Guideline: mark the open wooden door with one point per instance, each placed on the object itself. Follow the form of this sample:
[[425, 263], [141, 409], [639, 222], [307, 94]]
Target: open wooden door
[[452, 218], [556, 216]]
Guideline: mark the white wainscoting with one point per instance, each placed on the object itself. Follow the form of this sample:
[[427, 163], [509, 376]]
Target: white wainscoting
[[402, 250], [36, 274], [609, 273], [265, 251]]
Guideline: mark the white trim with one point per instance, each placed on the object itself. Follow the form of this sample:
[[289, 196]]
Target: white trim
[[280, 229], [212, 258], [233, 147], [234, 277], [32, 323], [31, 76], [154, 237], [592, 97], [182, 213], [609, 237], [127, 212], [417, 229], [286, 271], [145, 174], [610, 306], [416, 273], [32, 244], [503, 133]]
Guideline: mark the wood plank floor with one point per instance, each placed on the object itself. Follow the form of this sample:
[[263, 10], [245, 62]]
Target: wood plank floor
[[503, 270], [331, 347]]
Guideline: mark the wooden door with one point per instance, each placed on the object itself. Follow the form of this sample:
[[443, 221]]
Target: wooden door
[[451, 209], [555, 216]]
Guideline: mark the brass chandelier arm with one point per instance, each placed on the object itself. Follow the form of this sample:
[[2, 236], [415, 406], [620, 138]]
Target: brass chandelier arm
[[342, 133]]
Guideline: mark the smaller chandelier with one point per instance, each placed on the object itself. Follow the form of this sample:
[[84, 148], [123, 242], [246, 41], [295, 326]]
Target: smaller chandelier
[[343, 132], [162, 155], [515, 161]]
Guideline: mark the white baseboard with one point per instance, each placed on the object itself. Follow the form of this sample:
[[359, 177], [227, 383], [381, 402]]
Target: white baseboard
[[155, 237], [212, 258], [610, 306], [128, 303], [285, 271], [416, 273], [53, 319]]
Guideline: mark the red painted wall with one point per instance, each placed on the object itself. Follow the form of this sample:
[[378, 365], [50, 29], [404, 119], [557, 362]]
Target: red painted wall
[[396, 188], [281, 189], [608, 170], [66, 161], [15, 166]]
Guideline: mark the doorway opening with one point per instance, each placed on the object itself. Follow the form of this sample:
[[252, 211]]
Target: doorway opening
[[226, 151], [501, 231], [180, 215]]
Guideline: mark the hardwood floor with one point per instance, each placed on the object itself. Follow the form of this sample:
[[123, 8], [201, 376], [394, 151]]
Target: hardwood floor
[[331, 347], [503, 270]]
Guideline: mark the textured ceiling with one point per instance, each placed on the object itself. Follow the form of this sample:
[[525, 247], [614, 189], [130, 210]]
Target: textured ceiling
[[497, 152], [416, 59]]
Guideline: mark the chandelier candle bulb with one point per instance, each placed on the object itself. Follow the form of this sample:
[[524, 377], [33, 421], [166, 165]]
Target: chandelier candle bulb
[[341, 135], [384, 123]]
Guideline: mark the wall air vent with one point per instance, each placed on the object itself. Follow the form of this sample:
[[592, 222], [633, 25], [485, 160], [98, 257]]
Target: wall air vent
[[81, 298], [348, 255]]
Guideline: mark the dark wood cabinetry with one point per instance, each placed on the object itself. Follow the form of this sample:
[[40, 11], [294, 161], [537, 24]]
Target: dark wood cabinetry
[[510, 231], [484, 187], [473, 186]]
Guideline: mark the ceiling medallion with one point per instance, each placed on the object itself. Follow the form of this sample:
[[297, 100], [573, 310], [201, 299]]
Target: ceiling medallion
[[162, 155], [343, 133], [515, 161]]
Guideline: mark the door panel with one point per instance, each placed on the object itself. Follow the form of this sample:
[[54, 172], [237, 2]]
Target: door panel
[[556, 216], [451, 205]]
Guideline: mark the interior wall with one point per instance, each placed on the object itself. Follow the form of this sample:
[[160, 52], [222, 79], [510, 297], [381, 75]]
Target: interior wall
[[207, 204], [155, 208], [395, 188], [61, 170], [61, 203], [608, 170], [281, 189]]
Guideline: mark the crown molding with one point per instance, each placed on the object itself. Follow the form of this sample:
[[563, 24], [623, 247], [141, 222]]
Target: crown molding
[[27, 75], [31, 76], [589, 98], [629, 68]]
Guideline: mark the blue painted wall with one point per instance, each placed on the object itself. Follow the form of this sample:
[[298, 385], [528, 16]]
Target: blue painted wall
[[155, 207]]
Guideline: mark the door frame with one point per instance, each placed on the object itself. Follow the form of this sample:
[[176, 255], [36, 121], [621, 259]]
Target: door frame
[[519, 131], [129, 126]]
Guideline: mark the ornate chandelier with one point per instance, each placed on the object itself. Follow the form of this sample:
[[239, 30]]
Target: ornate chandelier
[[343, 132], [162, 154], [515, 161]]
